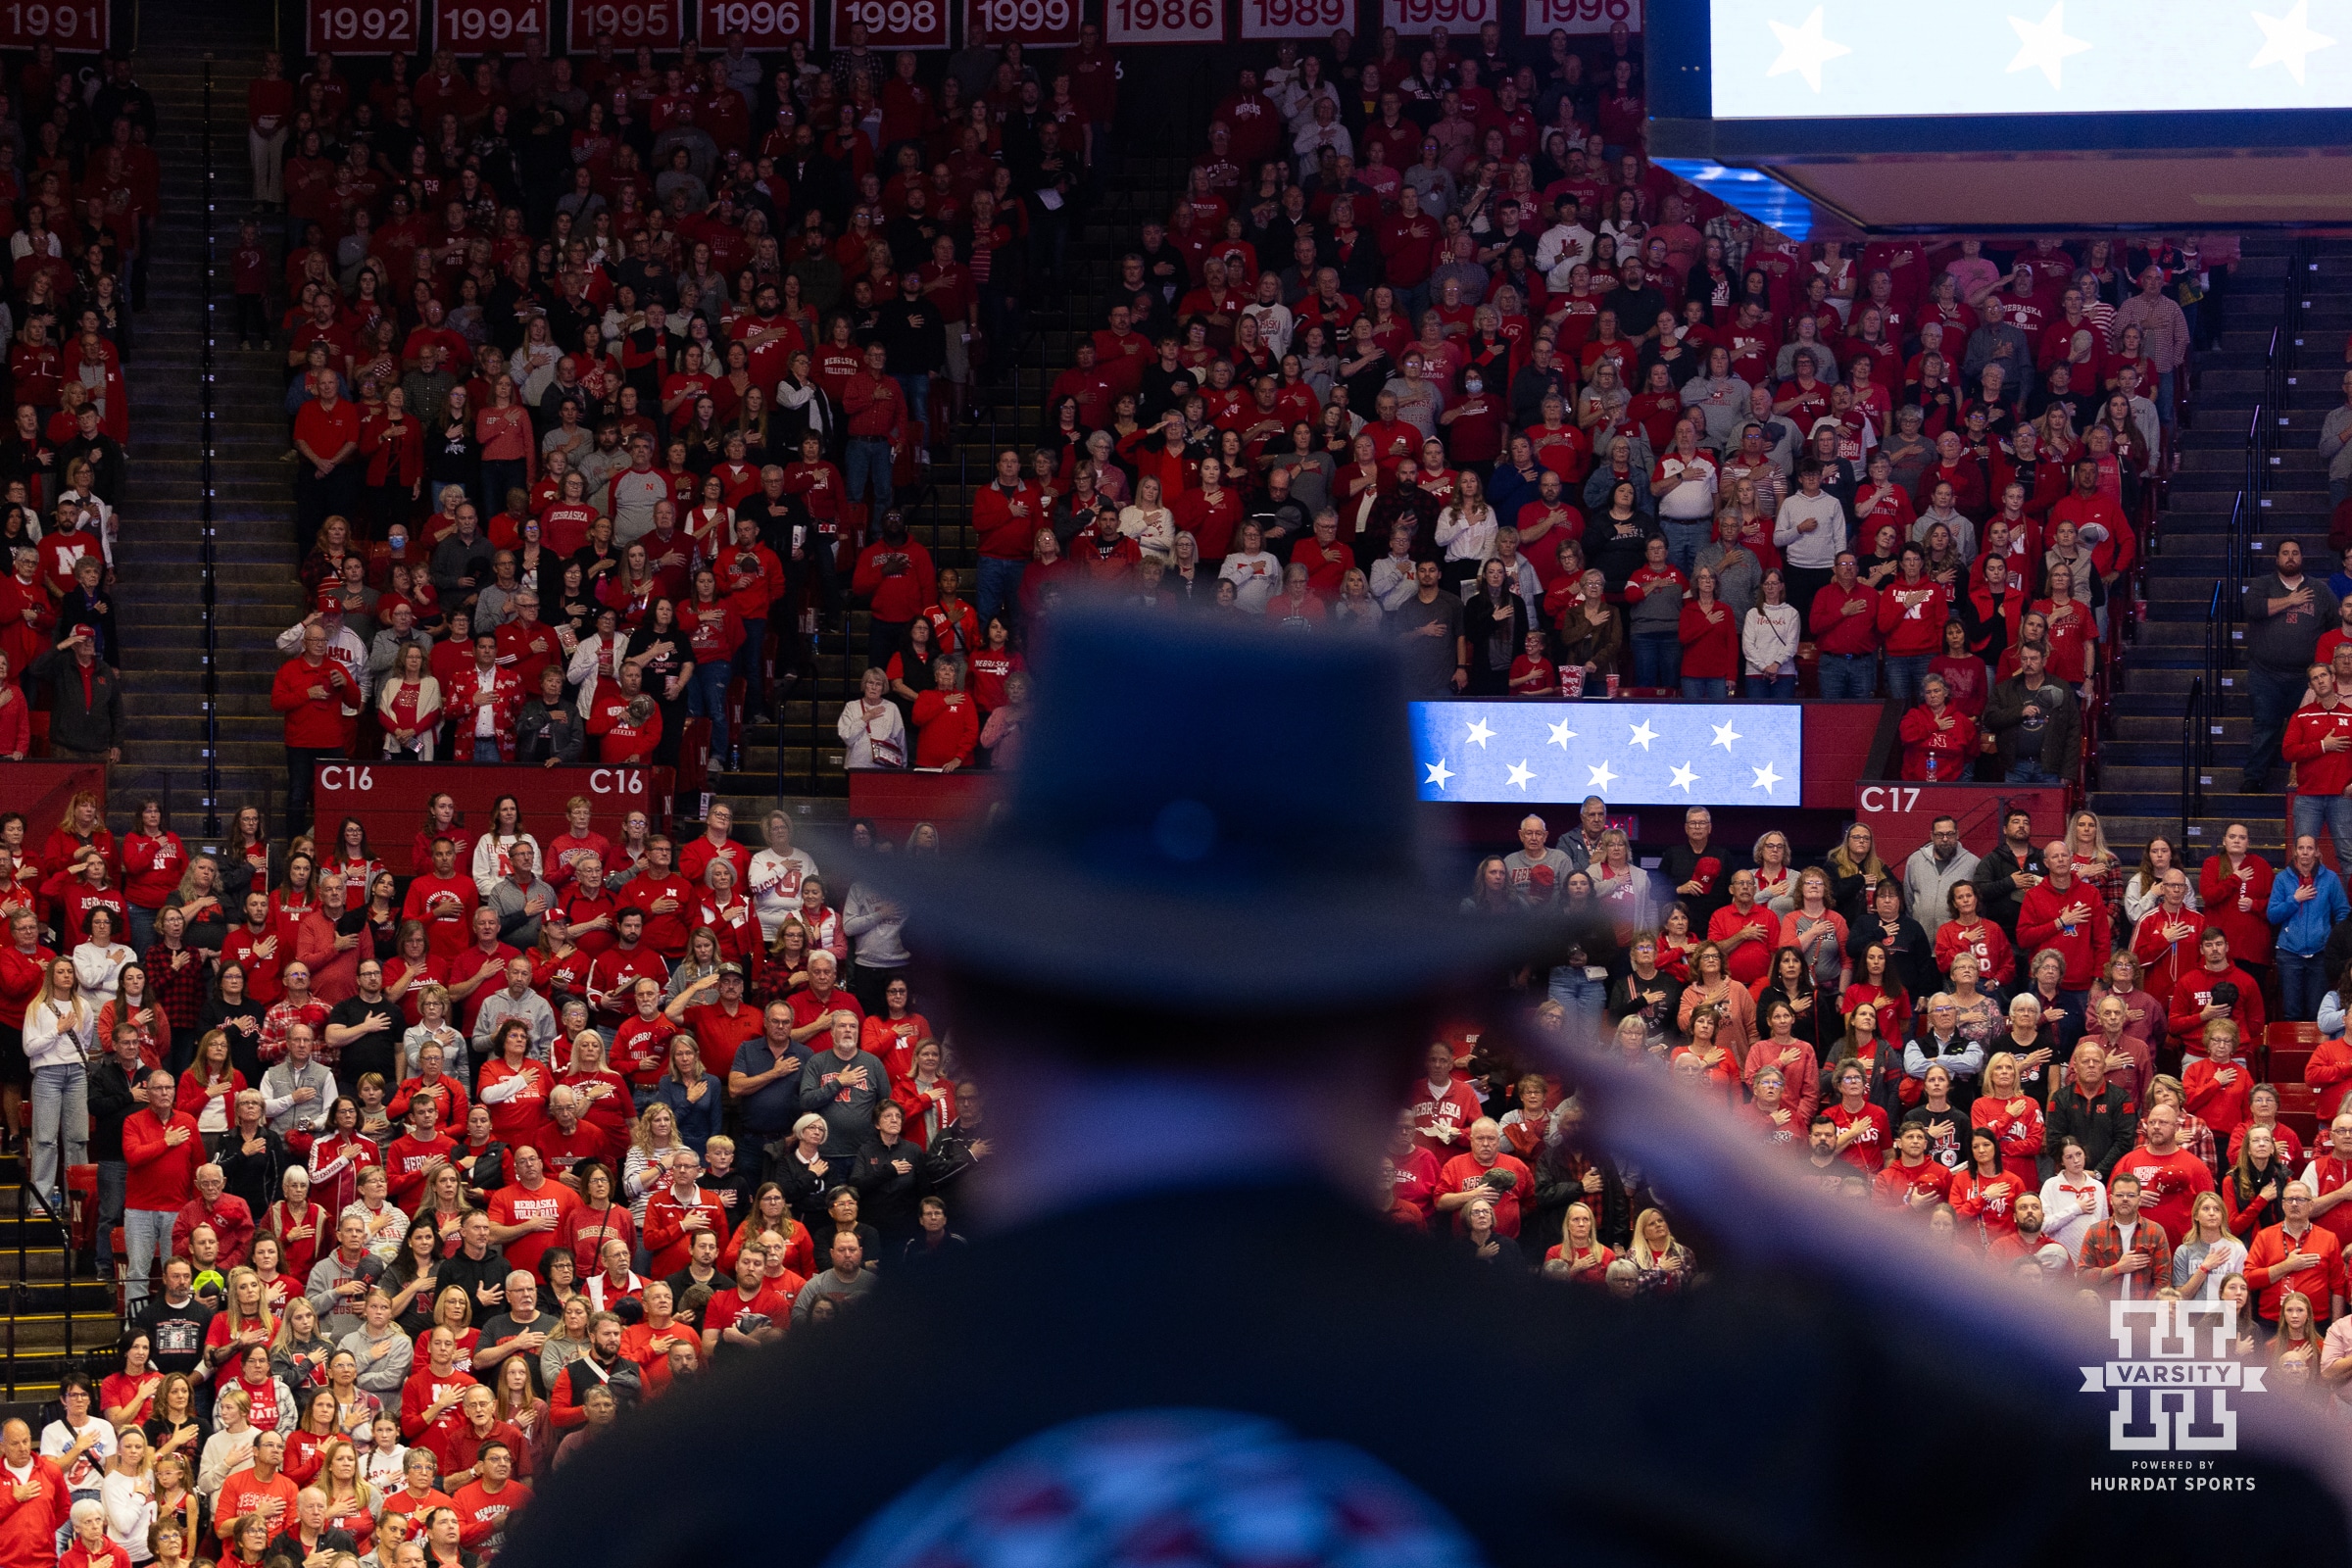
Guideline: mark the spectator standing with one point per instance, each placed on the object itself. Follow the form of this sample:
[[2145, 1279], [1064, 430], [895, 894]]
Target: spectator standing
[[2284, 611], [311, 690]]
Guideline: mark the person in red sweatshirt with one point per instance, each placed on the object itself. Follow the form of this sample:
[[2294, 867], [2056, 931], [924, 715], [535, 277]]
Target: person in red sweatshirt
[[311, 690], [1005, 516], [2170, 1176], [1910, 624], [435, 1388], [876, 412], [947, 721], [413, 1156], [2098, 521], [626, 721], [2219, 1085], [1845, 622], [1911, 1180], [2295, 1254], [1940, 741], [2060, 912], [896, 578], [443, 901], [2193, 1003], [2319, 741], [23, 970], [677, 1213], [162, 1151], [2330, 1176]]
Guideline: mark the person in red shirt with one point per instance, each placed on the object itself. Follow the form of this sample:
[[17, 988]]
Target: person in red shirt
[[716, 842], [2295, 1254], [2219, 1085], [896, 577], [2170, 1176], [443, 901], [327, 440], [485, 1504], [626, 723], [2194, 1003], [1005, 517], [162, 1150], [2059, 913], [875, 410], [947, 721], [1861, 1127], [311, 690], [677, 1213], [664, 898], [413, 1156], [1486, 1173], [1911, 1180], [525, 1214]]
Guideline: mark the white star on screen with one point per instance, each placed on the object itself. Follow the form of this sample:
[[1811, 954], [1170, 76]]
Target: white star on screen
[[1724, 735], [1561, 734], [1603, 779], [1520, 775], [1479, 734], [1642, 735], [2045, 44], [1766, 778], [1683, 778], [1439, 773], [1804, 50], [2288, 40]]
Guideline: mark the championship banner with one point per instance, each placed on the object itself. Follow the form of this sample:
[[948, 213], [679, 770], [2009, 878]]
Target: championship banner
[[1548, 16], [893, 23], [1458, 17], [1031, 23], [476, 26], [84, 28], [632, 24], [389, 797], [362, 26], [1296, 18], [765, 24], [1132, 22]]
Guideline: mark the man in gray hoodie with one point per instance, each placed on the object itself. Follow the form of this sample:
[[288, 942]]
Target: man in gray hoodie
[[1931, 872]]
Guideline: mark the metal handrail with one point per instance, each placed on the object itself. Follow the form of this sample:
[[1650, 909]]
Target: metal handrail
[[2193, 725], [208, 567], [19, 1292]]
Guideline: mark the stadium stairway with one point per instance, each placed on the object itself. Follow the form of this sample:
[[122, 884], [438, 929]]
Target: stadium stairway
[[1009, 410], [156, 597], [2138, 757]]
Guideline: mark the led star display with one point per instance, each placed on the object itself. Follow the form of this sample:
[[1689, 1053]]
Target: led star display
[[1636, 754]]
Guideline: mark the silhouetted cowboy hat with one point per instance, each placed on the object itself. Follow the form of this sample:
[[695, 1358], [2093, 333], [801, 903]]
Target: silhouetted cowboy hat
[[1206, 817]]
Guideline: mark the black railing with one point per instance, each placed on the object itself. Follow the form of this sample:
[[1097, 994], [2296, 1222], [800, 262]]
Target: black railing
[[2193, 725], [20, 1298], [206, 566]]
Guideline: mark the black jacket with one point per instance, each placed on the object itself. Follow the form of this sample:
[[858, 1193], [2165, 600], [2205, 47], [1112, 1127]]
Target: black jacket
[[78, 723], [111, 1106], [2061, 741], [887, 1196], [1996, 896], [254, 1177], [2108, 1128]]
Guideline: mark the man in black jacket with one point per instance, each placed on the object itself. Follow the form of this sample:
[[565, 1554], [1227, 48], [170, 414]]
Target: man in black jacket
[[2093, 1112], [85, 698], [2034, 722], [117, 1091], [2003, 877], [961, 1145]]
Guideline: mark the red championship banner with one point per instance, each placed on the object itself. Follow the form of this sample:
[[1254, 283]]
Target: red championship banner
[[362, 26], [651, 23], [1296, 18], [893, 23], [83, 29], [1031, 23], [477, 27], [1415, 18], [1548, 16], [765, 24], [389, 799], [1165, 21], [1899, 816]]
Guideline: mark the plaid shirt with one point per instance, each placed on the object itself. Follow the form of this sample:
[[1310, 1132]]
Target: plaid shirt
[[2103, 1244]]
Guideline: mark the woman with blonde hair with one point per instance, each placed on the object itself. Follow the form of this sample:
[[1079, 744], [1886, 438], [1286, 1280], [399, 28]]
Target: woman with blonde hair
[[230, 1447], [2208, 1255], [351, 1504], [57, 1028], [1148, 521], [243, 1321], [127, 1493], [407, 706], [1664, 1263], [2296, 1349], [647, 1164]]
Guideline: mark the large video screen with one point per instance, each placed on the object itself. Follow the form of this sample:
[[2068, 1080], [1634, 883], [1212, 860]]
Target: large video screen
[[1866, 59], [1633, 754]]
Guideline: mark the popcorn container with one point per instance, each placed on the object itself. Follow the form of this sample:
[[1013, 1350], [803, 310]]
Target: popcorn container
[[1572, 680]]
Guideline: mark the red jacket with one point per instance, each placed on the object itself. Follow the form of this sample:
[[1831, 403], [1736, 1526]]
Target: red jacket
[[1837, 632], [1914, 629], [2329, 1072], [1007, 521], [313, 722], [898, 596], [28, 1529], [461, 700], [2320, 1283], [2248, 929], [876, 407], [666, 1236], [161, 1177], [2193, 993], [1710, 647], [2084, 941], [2318, 773], [229, 1219]]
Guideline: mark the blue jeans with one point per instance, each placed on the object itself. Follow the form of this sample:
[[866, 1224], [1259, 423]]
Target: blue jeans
[[60, 1125], [1782, 685], [2313, 814], [2302, 982], [498, 478], [2028, 773], [1706, 688], [751, 662], [1849, 674], [2164, 399], [142, 928], [1685, 540], [1905, 672], [868, 475], [2276, 692], [1582, 998], [113, 1178], [485, 749], [707, 698], [1657, 659], [999, 589], [147, 1240], [918, 391]]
